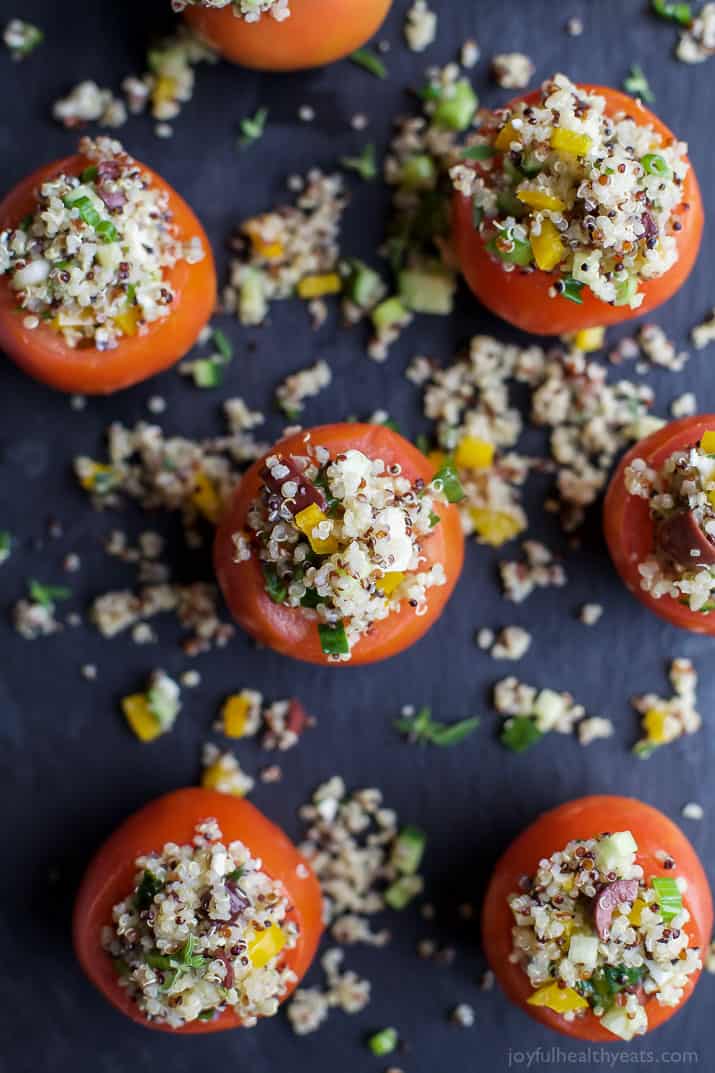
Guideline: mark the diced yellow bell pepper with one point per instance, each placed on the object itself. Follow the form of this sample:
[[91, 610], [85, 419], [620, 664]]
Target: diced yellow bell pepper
[[547, 247], [270, 249], [97, 470], [140, 717], [558, 999], [494, 527], [505, 137], [266, 945], [570, 141], [654, 725], [636, 912], [206, 499], [164, 90], [539, 199], [473, 453], [128, 321], [707, 442], [307, 520], [319, 286], [589, 339], [235, 715], [390, 581]]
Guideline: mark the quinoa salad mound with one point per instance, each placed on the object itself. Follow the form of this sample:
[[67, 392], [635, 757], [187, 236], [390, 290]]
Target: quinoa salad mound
[[681, 504], [92, 258], [559, 185], [248, 10], [341, 539], [204, 930], [593, 933]]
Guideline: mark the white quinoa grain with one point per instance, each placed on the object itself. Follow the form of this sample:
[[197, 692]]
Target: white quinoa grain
[[693, 811], [589, 614]]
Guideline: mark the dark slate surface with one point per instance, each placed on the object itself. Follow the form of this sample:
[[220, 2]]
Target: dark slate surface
[[70, 771]]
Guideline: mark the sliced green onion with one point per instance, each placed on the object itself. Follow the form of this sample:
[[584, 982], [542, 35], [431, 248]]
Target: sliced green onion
[[236, 874], [252, 128], [333, 639], [5, 544], [222, 344], [673, 11], [572, 290], [520, 733], [670, 899], [107, 231], [655, 164], [456, 112], [46, 595], [89, 174], [447, 734], [404, 890], [408, 850], [88, 213], [519, 254], [207, 372], [366, 59], [365, 165], [637, 84], [276, 588], [383, 1042], [479, 152], [451, 484]]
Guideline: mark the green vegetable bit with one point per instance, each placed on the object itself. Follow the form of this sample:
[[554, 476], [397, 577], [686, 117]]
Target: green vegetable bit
[[366, 59], [655, 164], [403, 891], [418, 172], [451, 484], [275, 587], [670, 899], [149, 886], [422, 729], [455, 107], [88, 213], [637, 84], [520, 733], [608, 981], [363, 284], [519, 254], [5, 545], [365, 165], [30, 38], [46, 595], [572, 289], [89, 174], [673, 11], [388, 314], [252, 128], [383, 1042], [222, 344], [333, 639], [408, 850], [480, 152], [207, 372]]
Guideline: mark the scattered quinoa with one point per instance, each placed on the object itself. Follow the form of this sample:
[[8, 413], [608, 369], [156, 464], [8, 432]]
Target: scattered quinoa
[[420, 26], [346, 991], [92, 259], [169, 81], [529, 713], [590, 614], [591, 931], [593, 198], [684, 405], [248, 10], [463, 1015], [512, 70], [89, 103], [302, 385], [520, 578], [666, 719], [469, 54], [704, 333], [282, 722], [222, 772], [512, 642], [574, 26], [693, 811], [203, 930], [22, 38], [658, 349]]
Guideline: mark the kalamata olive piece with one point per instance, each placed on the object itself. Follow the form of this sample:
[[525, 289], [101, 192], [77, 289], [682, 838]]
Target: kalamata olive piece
[[679, 535], [608, 897]]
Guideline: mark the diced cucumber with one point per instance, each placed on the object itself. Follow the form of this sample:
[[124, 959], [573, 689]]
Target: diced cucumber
[[163, 699], [455, 112], [207, 373], [626, 291], [403, 891], [583, 950], [418, 172], [388, 314], [428, 290], [252, 304], [408, 849], [520, 254], [548, 709], [615, 852], [619, 1023], [363, 284]]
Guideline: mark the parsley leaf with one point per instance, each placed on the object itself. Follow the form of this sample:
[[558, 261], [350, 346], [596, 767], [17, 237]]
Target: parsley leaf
[[252, 128], [422, 729], [365, 165], [46, 595], [672, 11], [363, 57], [637, 84], [520, 733]]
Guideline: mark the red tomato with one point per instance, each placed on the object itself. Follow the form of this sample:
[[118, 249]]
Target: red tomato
[[317, 32], [522, 298], [628, 527], [585, 818], [286, 629], [43, 353], [172, 818]]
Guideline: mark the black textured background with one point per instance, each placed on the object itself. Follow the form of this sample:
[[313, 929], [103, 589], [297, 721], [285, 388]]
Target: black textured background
[[69, 770]]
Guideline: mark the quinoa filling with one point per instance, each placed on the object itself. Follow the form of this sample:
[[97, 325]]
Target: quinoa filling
[[203, 930], [248, 10], [593, 933], [340, 540], [559, 185], [91, 260], [681, 500]]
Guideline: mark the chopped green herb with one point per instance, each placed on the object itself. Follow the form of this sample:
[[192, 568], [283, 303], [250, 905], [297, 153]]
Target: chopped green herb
[[608, 981], [207, 1015], [383, 1042], [422, 729], [275, 587], [670, 899], [422, 443], [673, 11], [149, 886], [235, 875], [252, 128], [89, 174], [120, 967], [311, 599], [365, 164], [187, 956], [369, 61], [131, 294], [333, 639], [451, 484], [655, 164], [5, 545], [637, 84], [48, 594], [434, 519], [572, 290], [222, 344], [520, 733], [479, 152], [26, 222]]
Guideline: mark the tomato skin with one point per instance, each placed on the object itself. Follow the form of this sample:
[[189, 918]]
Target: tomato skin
[[286, 629], [585, 818], [318, 32], [172, 818], [522, 298], [43, 353], [628, 527]]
